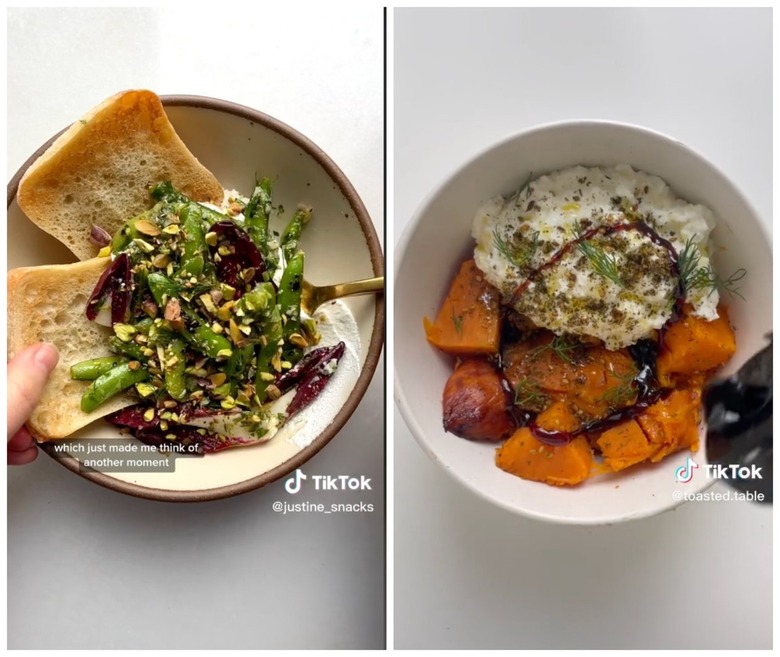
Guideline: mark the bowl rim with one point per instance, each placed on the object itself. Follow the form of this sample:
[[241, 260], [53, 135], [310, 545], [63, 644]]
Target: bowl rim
[[402, 246], [375, 344]]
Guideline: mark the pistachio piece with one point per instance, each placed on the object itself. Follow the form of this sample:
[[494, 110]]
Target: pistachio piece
[[208, 303], [235, 334], [147, 227], [225, 311], [124, 332], [276, 361], [161, 260], [145, 390], [143, 245], [218, 379], [149, 414], [228, 291]]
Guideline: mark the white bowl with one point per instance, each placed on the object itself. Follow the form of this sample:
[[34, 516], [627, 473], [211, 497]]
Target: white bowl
[[235, 143], [438, 239]]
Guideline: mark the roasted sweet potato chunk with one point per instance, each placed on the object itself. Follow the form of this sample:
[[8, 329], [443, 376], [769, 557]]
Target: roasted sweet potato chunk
[[694, 345], [624, 445], [591, 378], [525, 456], [469, 320], [672, 424]]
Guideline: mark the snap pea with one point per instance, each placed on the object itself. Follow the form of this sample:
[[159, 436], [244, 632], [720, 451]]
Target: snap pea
[[212, 344], [143, 325], [239, 361], [112, 383], [131, 349], [290, 304], [258, 212], [272, 331], [210, 216], [174, 370], [292, 234], [192, 267], [258, 300], [161, 287], [194, 241], [89, 370], [129, 232]]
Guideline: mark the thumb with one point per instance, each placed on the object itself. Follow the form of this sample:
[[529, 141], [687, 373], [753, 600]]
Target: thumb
[[28, 372]]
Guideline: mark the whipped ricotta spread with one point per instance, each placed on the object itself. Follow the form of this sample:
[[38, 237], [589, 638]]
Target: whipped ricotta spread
[[615, 285]]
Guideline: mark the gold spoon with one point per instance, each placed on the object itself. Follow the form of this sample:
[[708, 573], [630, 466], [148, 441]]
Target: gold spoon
[[313, 296]]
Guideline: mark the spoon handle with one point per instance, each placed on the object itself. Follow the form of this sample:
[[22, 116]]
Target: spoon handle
[[353, 288]]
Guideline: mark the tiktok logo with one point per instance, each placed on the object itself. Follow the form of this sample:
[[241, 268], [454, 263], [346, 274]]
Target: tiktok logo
[[684, 474], [293, 484]]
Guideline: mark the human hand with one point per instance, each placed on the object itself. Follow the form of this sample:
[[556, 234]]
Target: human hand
[[28, 372]]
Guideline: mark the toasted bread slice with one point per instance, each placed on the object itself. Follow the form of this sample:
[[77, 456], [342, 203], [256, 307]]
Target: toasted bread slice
[[100, 169], [46, 304]]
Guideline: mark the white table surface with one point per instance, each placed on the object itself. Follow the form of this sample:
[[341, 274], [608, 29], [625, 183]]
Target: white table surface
[[91, 568], [470, 575]]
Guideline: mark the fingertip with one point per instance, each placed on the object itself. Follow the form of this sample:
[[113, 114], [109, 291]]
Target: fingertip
[[23, 458], [21, 440], [47, 355]]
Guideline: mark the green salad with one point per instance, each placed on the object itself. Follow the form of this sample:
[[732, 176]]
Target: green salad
[[205, 309]]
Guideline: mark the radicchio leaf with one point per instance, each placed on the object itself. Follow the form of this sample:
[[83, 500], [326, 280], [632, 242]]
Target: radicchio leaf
[[115, 281], [246, 256], [315, 379]]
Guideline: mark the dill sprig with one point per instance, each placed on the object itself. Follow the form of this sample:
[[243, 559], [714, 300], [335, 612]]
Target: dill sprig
[[528, 395], [519, 255], [457, 320], [563, 346], [621, 394], [694, 276], [525, 190], [602, 262]]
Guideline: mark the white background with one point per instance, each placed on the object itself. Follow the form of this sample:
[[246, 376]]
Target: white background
[[90, 568], [470, 575]]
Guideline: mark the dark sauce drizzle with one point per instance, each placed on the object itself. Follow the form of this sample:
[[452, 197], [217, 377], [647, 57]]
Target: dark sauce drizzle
[[643, 352]]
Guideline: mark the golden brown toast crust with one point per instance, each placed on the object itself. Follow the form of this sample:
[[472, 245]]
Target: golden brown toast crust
[[47, 304], [100, 169]]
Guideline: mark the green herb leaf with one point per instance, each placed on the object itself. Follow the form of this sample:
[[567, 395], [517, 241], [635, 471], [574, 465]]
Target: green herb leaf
[[694, 276], [602, 262], [528, 395], [621, 394], [563, 346], [518, 255], [525, 190], [458, 322]]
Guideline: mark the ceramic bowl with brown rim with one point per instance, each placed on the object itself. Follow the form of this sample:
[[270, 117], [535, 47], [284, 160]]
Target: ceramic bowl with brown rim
[[236, 143]]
